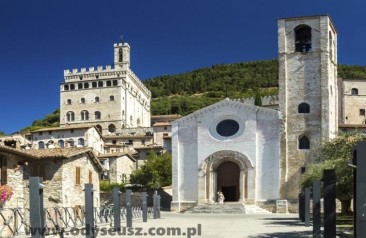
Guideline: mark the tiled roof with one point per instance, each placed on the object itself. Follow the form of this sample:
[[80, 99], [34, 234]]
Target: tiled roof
[[116, 154], [20, 152], [57, 152], [64, 128], [162, 123]]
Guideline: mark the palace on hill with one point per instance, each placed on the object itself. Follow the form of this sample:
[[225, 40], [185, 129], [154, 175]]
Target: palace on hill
[[252, 154]]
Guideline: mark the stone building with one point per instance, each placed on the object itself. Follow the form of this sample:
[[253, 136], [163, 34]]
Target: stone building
[[257, 155], [64, 172], [67, 136], [118, 166], [111, 97], [308, 92], [353, 101], [228, 146]]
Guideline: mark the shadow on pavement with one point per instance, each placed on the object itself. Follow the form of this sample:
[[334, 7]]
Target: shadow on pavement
[[284, 222], [284, 235]]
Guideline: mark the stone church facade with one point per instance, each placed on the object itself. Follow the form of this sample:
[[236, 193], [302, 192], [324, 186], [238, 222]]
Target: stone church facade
[[257, 155]]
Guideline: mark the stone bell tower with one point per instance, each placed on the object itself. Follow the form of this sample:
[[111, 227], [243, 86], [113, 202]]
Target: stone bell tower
[[307, 48], [122, 55]]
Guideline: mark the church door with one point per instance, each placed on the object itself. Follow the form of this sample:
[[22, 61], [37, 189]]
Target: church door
[[228, 180]]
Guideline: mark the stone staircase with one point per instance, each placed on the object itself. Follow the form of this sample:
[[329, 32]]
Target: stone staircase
[[228, 208]]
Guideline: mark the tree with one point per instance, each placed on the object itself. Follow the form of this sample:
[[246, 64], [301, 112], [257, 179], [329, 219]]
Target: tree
[[155, 173], [336, 154]]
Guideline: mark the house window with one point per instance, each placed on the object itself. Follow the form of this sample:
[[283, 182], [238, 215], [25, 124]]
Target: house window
[[304, 143], [90, 176], [362, 112], [41, 145], [61, 143], [72, 131], [354, 91], [111, 128], [96, 99], [68, 101], [39, 170], [81, 141], [97, 115], [114, 142], [4, 170], [77, 176], [40, 133], [50, 132], [111, 98], [71, 142], [130, 142], [70, 116], [84, 115], [165, 128], [82, 100], [303, 38], [304, 108]]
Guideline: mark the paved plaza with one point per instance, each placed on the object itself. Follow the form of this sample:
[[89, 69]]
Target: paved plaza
[[210, 226]]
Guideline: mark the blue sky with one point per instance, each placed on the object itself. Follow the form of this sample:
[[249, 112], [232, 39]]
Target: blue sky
[[39, 39]]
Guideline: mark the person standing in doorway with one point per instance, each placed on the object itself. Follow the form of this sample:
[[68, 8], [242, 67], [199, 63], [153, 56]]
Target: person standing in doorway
[[220, 197]]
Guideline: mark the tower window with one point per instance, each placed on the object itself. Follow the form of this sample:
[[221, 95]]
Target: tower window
[[96, 99], [304, 143], [304, 108], [111, 128], [111, 98], [82, 100], [66, 87], [362, 112], [68, 101], [84, 115], [97, 115], [72, 86], [80, 85], [120, 55], [115, 83], [354, 91], [109, 83], [94, 84], [86, 85], [303, 38], [100, 84], [70, 116]]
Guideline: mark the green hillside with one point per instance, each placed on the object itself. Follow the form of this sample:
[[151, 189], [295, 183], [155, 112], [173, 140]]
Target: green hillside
[[184, 93]]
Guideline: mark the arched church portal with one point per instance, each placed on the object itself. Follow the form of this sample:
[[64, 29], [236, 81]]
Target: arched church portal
[[229, 171]]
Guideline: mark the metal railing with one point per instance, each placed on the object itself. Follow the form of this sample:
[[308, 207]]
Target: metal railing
[[16, 221]]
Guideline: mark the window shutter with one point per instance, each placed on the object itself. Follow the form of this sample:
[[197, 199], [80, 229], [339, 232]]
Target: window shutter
[[77, 176], [90, 176], [4, 171]]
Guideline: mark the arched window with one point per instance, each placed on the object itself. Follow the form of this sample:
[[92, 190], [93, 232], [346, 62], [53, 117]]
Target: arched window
[[303, 38], [97, 115], [99, 128], [80, 85], [72, 86], [100, 84], [70, 116], [84, 115], [86, 85], [68, 101], [304, 143], [109, 83], [66, 87], [111, 128], [96, 99], [81, 141], [354, 91], [61, 143], [111, 98], [94, 84], [41, 145], [304, 108], [82, 100], [120, 55]]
